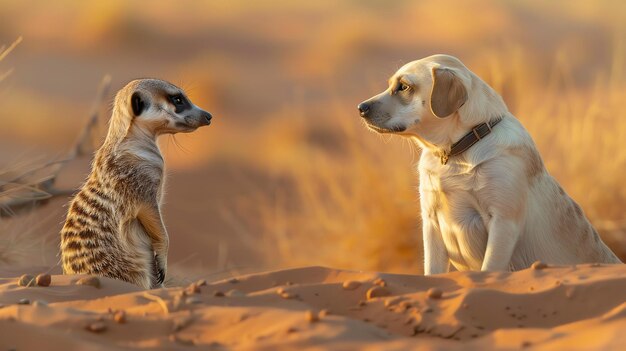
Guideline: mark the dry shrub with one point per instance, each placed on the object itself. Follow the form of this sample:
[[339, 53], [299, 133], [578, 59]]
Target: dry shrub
[[349, 198]]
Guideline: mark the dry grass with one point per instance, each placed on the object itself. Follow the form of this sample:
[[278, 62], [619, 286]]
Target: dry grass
[[349, 205]]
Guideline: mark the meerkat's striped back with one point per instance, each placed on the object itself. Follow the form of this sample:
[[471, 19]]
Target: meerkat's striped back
[[90, 240]]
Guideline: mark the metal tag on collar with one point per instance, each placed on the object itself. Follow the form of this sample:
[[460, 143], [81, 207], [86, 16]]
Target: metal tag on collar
[[444, 159]]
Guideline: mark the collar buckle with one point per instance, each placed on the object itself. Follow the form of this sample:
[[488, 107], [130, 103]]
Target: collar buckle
[[469, 139]]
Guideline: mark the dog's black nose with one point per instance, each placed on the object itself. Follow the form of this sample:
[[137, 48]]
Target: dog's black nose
[[364, 108]]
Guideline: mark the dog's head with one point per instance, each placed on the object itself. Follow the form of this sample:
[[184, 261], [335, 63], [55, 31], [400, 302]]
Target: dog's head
[[428, 97], [160, 107]]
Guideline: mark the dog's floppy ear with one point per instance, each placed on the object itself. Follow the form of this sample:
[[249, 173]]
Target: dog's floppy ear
[[138, 104], [448, 93]]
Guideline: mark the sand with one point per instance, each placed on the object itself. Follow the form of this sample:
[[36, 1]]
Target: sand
[[554, 308]]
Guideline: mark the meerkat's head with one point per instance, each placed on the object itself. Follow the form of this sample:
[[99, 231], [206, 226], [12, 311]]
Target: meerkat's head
[[157, 107]]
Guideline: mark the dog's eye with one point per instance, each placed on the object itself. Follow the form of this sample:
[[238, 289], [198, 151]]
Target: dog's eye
[[403, 87]]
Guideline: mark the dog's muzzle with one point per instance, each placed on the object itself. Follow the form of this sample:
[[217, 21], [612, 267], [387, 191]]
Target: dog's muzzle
[[364, 109]]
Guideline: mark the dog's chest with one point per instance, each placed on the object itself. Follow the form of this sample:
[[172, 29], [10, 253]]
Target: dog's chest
[[452, 203]]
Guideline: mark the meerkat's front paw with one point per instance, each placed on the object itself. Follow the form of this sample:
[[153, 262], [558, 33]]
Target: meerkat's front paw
[[160, 266], [160, 277]]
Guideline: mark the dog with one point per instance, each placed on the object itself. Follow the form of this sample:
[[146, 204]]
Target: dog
[[487, 201]]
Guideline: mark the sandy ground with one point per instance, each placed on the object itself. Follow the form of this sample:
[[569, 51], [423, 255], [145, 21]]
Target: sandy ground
[[553, 308]]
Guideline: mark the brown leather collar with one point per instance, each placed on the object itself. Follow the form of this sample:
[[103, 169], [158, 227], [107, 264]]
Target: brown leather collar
[[469, 139]]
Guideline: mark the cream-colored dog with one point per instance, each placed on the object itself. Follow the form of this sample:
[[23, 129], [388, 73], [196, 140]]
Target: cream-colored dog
[[487, 201]]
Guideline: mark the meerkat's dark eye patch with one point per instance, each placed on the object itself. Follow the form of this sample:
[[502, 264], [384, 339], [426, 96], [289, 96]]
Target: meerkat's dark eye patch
[[180, 102], [138, 104]]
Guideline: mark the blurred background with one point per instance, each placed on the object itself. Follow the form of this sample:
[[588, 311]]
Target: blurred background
[[287, 175]]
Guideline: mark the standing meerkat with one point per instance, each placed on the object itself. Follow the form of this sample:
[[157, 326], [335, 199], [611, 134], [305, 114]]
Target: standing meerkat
[[114, 226]]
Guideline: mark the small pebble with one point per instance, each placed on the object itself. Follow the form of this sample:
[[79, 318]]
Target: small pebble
[[377, 291], [97, 327], [323, 313], [23, 302], [43, 279], [120, 317], [434, 293], [218, 294], [235, 293], [201, 282], [91, 281], [288, 296], [285, 294], [351, 285], [380, 282], [26, 280], [233, 281], [537, 265], [312, 317]]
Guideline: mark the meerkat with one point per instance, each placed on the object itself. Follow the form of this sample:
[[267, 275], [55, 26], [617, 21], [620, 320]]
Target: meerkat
[[114, 226]]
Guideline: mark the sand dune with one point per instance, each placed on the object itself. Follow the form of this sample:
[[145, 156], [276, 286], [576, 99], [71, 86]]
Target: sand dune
[[553, 308]]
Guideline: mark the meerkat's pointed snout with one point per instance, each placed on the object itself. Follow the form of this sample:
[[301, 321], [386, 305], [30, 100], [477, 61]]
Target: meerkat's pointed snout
[[206, 118], [195, 118]]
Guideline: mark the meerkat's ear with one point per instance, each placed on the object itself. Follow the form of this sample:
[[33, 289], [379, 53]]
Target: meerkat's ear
[[448, 93], [138, 103]]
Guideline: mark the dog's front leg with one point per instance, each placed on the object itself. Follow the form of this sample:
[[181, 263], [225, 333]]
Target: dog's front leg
[[435, 253], [502, 238]]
